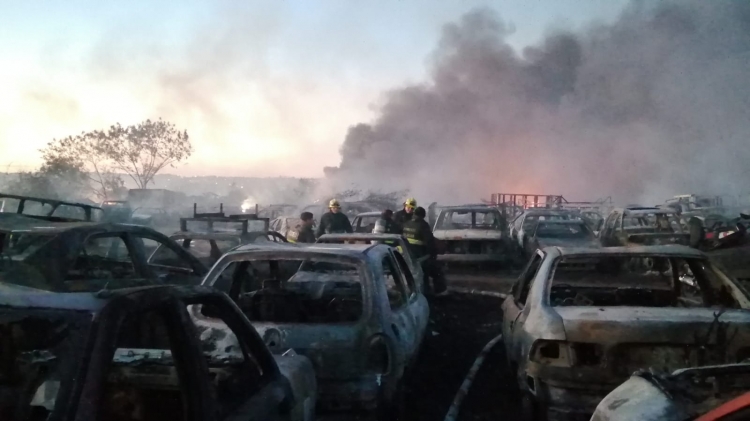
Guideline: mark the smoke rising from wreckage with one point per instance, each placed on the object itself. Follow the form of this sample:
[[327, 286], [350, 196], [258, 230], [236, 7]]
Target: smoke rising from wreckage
[[642, 107]]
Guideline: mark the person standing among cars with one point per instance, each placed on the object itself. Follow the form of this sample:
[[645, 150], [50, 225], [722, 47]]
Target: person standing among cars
[[419, 236], [405, 214], [333, 221], [303, 232]]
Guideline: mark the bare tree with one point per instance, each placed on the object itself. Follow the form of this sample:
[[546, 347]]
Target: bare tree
[[142, 150], [98, 157], [83, 158]]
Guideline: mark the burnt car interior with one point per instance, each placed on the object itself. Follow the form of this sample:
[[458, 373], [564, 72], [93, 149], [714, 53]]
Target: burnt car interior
[[653, 222], [146, 380], [563, 230], [38, 351], [297, 291], [639, 281], [470, 219]]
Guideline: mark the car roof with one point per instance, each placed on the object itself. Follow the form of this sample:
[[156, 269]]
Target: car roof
[[665, 250], [361, 236], [23, 298], [370, 214], [468, 208], [645, 210], [13, 222], [547, 211], [358, 251], [182, 235]]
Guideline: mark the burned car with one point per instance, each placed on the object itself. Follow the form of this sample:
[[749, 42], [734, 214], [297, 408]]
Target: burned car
[[365, 222], [471, 235], [560, 233], [216, 236], [355, 311], [54, 210], [711, 393], [579, 321], [134, 354], [87, 256], [394, 240], [524, 223], [284, 224], [642, 226]]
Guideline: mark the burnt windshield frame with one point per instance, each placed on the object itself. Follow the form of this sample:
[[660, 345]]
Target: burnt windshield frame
[[70, 351]]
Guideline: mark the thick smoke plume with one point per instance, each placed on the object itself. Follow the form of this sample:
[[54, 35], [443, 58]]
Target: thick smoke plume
[[653, 105]]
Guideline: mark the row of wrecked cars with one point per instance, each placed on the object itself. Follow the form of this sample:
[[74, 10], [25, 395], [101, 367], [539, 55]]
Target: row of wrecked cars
[[623, 320], [119, 322]]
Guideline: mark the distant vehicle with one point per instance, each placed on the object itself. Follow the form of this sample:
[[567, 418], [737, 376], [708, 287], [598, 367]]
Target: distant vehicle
[[211, 236], [579, 321], [525, 222], [560, 234], [710, 393], [136, 354], [355, 311], [53, 210], [394, 240], [151, 217], [89, 256], [365, 222], [643, 226], [471, 234], [284, 224], [118, 211]]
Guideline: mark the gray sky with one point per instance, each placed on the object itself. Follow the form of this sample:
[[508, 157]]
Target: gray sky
[[264, 88]]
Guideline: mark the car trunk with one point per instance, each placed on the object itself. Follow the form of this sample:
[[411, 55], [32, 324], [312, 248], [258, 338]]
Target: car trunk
[[470, 245], [666, 338]]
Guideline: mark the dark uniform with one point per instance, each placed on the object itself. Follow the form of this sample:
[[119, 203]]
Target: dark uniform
[[401, 217], [333, 223], [301, 234], [419, 235]]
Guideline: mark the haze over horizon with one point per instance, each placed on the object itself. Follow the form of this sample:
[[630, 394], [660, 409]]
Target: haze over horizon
[[263, 88]]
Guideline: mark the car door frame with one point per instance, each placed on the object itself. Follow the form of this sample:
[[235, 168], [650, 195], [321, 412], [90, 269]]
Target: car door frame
[[513, 309], [417, 307], [189, 362], [401, 320]]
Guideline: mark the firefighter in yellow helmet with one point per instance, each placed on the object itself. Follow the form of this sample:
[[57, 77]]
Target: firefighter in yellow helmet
[[422, 244], [404, 215], [333, 221]]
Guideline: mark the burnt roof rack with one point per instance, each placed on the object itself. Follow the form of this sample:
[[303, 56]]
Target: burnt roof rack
[[210, 218], [88, 210]]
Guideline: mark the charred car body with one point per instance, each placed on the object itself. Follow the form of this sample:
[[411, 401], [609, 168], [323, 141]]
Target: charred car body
[[87, 256], [580, 321], [365, 222], [520, 227], [560, 233], [52, 210], [685, 394], [643, 226], [355, 311], [135, 354], [471, 235]]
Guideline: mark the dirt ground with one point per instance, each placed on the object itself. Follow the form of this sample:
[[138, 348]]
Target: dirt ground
[[460, 326]]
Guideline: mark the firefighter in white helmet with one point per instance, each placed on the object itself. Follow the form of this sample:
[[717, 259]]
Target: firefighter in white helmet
[[333, 221]]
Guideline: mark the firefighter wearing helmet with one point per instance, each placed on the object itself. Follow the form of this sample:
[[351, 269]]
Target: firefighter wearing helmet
[[333, 221], [404, 215]]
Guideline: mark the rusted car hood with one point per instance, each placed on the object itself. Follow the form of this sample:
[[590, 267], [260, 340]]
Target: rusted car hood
[[468, 234], [649, 325]]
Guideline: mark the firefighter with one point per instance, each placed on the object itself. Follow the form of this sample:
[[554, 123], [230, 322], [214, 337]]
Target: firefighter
[[406, 213], [333, 221], [385, 224], [419, 235], [303, 232]]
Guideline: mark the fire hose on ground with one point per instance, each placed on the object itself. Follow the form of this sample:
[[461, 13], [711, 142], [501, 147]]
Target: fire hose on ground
[[469, 379]]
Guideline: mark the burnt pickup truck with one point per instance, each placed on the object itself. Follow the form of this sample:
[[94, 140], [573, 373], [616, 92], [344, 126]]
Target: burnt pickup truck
[[136, 355], [471, 235]]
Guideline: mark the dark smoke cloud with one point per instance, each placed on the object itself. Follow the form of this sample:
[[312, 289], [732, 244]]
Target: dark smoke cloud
[[655, 104]]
